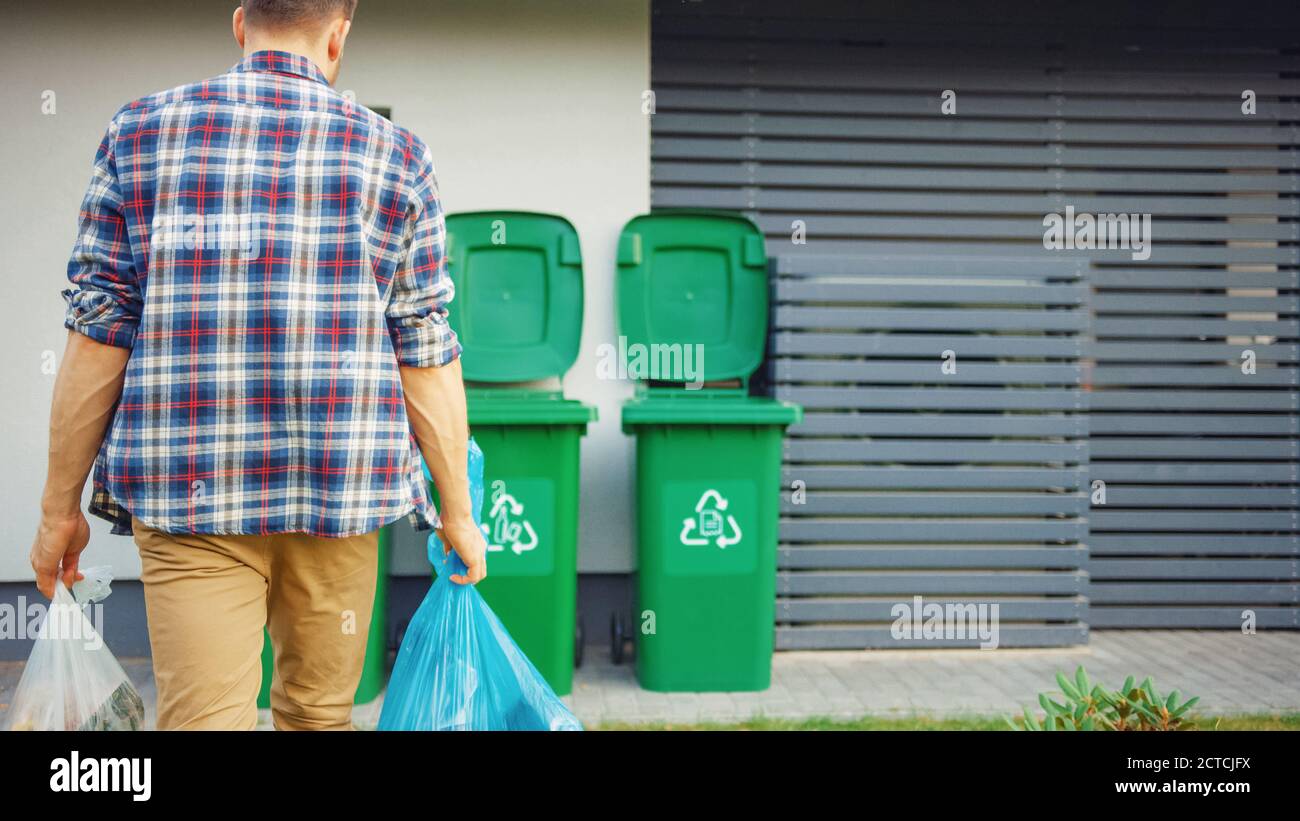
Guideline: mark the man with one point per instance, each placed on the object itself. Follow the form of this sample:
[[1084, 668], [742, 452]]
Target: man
[[259, 354]]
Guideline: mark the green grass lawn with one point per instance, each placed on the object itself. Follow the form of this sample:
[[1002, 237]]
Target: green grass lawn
[[1284, 721]]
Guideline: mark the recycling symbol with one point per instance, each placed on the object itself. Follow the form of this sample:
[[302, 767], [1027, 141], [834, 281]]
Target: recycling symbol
[[506, 529], [708, 524]]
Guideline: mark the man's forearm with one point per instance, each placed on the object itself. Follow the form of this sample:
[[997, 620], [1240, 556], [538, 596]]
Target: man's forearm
[[86, 392], [435, 403]]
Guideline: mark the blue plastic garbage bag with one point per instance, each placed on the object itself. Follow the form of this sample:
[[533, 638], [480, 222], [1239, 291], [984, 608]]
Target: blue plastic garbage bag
[[458, 668]]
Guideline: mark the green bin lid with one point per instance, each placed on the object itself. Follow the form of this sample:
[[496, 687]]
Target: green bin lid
[[689, 277], [497, 406], [518, 304], [685, 409]]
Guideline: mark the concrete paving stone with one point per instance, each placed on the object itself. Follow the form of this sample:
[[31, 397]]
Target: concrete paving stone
[[720, 714], [652, 697], [625, 707], [746, 702], [710, 701]]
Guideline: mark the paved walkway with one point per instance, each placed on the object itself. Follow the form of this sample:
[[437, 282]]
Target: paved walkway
[[1231, 673]]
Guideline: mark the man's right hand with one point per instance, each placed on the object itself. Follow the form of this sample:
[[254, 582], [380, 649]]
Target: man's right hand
[[56, 551], [467, 540]]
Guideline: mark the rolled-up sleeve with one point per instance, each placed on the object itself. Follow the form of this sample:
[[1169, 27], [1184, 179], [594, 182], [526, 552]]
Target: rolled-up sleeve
[[422, 287], [105, 303]]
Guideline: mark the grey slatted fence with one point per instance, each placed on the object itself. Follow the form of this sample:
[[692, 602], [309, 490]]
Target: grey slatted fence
[[1197, 448], [943, 452], [824, 117]]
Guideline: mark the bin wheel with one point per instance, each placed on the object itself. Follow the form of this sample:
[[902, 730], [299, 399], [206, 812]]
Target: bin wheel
[[579, 640], [617, 637]]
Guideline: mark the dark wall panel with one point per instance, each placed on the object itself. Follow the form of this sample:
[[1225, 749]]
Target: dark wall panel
[[901, 231]]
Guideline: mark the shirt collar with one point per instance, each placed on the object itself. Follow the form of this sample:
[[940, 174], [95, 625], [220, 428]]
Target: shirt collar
[[281, 62]]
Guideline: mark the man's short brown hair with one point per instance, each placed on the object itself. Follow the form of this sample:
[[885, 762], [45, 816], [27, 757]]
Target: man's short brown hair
[[280, 14]]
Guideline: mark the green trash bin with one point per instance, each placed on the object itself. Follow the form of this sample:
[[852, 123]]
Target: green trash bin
[[518, 314], [374, 672], [708, 461]]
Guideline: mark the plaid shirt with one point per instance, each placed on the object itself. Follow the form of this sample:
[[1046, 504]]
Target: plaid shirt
[[269, 252]]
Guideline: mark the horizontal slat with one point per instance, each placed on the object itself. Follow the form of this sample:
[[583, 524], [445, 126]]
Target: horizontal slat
[[897, 557], [954, 398], [1163, 253], [1190, 544], [937, 504], [1200, 472], [817, 226], [756, 149], [1156, 376], [838, 609], [929, 530], [1135, 303], [1183, 568], [1077, 57], [749, 198], [866, 291], [1199, 327], [1216, 352], [1230, 521], [911, 373], [1090, 48], [1103, 424], [1130, 447], [1246, 593], [1261, 401], [1195, 375], [814, 477], [946, 425], [905, 344], [778, 70], [844, 637], [1199, 496], [974, 104], [1203, 617], [922, 450], [1105, 277], [786, 316], [668, 172], [965, 129], [1139, 44], [987, 267], [1063, 583]]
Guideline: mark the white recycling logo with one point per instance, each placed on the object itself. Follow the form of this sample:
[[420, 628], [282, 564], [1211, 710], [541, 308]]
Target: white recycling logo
[[708, 524], [505, 525]]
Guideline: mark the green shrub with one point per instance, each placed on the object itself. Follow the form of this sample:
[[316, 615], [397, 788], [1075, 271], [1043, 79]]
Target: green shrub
[[1088, 706]]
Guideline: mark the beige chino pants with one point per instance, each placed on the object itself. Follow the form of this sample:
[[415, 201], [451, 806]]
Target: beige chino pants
[[207, 599]]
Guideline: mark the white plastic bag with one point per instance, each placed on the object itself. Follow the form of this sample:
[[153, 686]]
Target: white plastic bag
[[72, 681]]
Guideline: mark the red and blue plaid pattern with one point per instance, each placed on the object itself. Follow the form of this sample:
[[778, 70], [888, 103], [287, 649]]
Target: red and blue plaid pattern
[[270, 252]]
